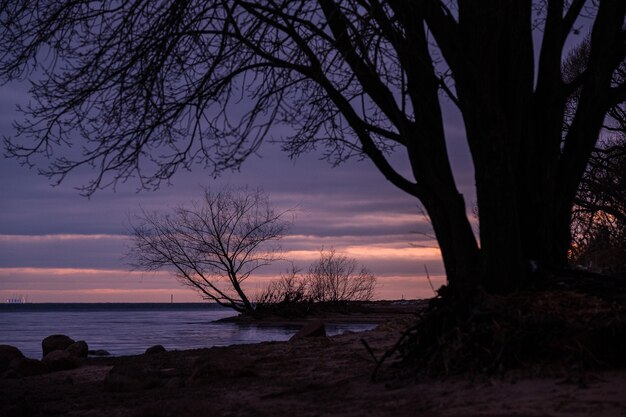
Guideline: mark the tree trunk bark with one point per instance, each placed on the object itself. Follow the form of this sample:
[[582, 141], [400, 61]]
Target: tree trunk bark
[[457, 243], [495, 87]]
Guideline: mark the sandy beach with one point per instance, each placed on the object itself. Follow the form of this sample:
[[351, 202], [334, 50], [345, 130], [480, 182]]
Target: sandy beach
[[315, 376]]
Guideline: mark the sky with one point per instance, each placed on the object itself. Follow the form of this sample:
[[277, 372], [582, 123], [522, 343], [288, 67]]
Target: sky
[[57, 246]]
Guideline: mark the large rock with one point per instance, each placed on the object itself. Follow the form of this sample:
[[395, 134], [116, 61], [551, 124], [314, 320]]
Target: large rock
[[78, 349], [7, 354], [221, 364], [98, 352], [131, 377], [59, 360], [313, 329], [55, 342], [29, 367], [155, 349]]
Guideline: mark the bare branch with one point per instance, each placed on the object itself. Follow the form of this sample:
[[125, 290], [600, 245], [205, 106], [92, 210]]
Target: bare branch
[[212, 246]]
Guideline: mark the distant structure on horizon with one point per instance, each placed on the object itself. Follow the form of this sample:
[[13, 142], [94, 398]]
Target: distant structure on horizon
[[17, 299]]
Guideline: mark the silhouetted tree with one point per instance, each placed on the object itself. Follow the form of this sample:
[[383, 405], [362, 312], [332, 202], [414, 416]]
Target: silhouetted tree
[[212, 246], [150, 87], [336, 278], [290, 287], [599, 216], [599, 213]]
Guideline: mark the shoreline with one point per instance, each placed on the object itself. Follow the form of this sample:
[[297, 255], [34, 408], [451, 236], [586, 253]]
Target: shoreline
[[374, 312], [196, 328], [315, 376], [309, 377]]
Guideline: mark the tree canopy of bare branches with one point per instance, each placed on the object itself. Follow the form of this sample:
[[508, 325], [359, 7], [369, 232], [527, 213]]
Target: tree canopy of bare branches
[[331, 279], [212, 246], [337, 278], [599, 217], [599, 213], [289, 288], [147, 88]]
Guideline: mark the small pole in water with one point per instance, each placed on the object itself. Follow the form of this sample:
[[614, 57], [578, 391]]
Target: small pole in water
[[171, 298]]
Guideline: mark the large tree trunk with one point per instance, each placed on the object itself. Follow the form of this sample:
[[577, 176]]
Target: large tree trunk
[[526, 174], [457, 243], [495, 91], [428, 156], [553, 163]]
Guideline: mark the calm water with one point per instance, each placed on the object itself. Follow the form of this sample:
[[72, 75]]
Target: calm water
[[128, 329]]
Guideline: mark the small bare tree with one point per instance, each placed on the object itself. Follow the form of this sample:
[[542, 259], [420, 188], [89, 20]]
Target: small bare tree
[[212, 246], [289, 288], [287, 296], [334, 278]]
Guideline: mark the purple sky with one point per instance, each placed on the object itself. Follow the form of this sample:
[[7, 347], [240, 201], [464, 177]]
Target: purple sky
[[56, 246]]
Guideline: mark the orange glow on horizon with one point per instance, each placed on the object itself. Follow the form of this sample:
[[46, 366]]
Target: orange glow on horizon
[[378, 252], [115, 286], [382, 252], [107, 295]]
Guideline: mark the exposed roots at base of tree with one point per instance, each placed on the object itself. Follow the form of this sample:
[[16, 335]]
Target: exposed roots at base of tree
[[544, 330]]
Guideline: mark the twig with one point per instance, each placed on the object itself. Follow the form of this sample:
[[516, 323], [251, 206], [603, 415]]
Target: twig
[[393, 350], [369, 350], [429, 280]]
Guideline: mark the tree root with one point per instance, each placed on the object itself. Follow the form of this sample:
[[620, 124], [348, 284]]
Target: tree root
[[544, 330]]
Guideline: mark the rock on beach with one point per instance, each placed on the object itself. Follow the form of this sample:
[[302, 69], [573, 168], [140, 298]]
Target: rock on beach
[[59, 360], [98, 352], [131, 377], [79, 349], [313, 329], [155, 349], [8, 353], [29, 367], [55, 342]]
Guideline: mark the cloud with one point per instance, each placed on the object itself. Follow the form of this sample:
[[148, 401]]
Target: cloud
[[63, 251], [57, 238], [54, 241]]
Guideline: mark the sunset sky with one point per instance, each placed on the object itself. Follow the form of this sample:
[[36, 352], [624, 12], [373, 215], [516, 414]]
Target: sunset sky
[[56, 246]]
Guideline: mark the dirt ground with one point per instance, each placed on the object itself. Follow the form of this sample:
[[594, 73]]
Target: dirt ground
[[309, 377]]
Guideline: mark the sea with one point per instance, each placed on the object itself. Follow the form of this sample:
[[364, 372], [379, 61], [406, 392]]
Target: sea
[[130, 328]]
